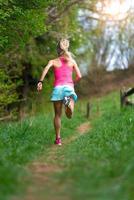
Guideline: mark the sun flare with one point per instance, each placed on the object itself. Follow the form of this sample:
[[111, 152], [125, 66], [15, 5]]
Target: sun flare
[[116, 9]]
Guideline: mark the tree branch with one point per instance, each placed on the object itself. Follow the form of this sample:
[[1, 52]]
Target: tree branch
[[55, 17]]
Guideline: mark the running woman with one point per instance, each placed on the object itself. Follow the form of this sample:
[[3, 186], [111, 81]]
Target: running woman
[[63, 92]]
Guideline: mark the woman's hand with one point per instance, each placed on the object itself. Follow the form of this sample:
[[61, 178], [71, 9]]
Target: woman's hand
[[39, 86]]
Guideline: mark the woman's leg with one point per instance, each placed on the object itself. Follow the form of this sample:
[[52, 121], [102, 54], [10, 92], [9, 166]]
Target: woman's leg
[[57, 117], [72, 104], [70, 109]]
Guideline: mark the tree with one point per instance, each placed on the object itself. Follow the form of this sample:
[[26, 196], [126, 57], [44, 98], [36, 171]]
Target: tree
[[109, 37], [28, 35]]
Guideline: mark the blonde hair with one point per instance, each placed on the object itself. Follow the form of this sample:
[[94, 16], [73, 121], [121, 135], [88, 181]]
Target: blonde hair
[[62, 48]]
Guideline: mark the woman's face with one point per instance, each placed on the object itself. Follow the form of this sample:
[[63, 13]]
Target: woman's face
[[64, 44]]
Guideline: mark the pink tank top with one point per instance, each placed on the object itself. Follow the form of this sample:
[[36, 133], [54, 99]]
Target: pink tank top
[[63, 74]]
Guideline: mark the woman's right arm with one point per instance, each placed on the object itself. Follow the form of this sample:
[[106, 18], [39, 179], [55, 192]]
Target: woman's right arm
[[77, 72], [48, 66]]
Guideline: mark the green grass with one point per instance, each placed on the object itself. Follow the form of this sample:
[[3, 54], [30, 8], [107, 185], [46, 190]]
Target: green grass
[[100, 164], [96, 166], [22, 142]]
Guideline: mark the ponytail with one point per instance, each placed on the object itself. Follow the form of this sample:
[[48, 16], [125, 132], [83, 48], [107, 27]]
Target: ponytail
[[62, 49], [68, 54]]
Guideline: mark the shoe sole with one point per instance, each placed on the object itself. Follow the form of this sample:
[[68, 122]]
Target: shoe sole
[[59, 144], [68, 112]]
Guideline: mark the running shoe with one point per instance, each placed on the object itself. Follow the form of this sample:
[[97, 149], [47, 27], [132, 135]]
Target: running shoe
[[66, 101], [58, 141]]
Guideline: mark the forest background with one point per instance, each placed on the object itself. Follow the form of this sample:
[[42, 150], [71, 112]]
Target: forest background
[[102, 41]]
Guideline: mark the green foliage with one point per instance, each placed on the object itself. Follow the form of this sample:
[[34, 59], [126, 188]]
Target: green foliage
[[7, 90], [20, 20], [28, 39]]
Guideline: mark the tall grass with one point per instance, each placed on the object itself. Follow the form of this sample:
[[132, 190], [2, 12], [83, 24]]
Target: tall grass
[[100, 164], [97, 166], [21, 142]]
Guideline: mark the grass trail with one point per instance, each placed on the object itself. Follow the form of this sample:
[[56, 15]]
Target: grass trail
[[43, 169], [98, 165], [22, 142]]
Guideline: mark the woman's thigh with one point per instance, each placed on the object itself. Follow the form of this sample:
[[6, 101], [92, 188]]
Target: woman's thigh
[[57, 107]]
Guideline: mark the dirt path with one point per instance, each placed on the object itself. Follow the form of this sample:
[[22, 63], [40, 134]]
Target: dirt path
[[42, 172]]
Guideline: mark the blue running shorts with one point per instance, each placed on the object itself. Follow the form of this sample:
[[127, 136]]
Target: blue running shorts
[[59, 92]]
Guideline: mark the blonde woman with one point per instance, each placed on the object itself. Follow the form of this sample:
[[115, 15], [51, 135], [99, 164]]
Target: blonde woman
[[63, 92]]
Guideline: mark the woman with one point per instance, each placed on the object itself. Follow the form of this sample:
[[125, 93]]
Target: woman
[[63, 91]]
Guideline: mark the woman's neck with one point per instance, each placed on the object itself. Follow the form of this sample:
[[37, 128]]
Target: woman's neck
[[64, 56]]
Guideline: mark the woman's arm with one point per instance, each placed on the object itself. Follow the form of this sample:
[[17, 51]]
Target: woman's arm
[[78, 73], [48, 66]]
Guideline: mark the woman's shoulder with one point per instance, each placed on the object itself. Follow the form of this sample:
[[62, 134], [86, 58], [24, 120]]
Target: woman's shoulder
[[73, 61], [55, 61]]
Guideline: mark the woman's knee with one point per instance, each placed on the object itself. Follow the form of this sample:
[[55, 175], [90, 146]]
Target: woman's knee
[[58, 115]]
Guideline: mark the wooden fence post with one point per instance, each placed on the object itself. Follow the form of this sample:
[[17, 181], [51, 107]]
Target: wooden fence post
[[124, 97], [88, 110]]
